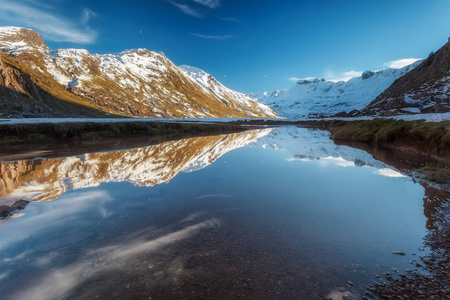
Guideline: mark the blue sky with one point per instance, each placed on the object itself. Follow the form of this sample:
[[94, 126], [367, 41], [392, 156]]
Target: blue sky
[[249, 45]]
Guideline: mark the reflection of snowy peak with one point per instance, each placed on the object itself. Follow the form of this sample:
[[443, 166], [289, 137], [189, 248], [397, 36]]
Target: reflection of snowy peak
[[50, 178], [312, 144], [320, 97]]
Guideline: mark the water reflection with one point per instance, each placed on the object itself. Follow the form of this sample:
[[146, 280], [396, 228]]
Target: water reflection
[[308, 145], [295, 223], [47, 179]]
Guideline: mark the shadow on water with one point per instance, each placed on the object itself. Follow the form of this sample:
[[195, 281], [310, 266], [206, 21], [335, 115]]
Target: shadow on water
[[257, 224]]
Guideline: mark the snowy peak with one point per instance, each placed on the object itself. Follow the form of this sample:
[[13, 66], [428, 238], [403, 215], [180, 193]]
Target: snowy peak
[[212, 85], [136, 82], [18, 39], [320, 97]]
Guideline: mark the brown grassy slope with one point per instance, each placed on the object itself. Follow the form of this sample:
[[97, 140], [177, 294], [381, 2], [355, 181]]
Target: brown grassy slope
[[25, 90]]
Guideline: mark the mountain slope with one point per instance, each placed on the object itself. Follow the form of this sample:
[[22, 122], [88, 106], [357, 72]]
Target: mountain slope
[[211, 85], [26, 92], [425, 89], [320, 97], [135, 82]]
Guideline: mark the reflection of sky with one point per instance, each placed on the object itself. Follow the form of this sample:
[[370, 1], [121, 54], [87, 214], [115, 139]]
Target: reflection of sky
[[327, 203]]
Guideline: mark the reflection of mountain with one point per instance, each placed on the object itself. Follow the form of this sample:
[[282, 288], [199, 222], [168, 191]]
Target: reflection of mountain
[[47, 179], [311, 144], [304, 143]]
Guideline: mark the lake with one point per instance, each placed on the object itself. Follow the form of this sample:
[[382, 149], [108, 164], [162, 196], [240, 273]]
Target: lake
[[272, 213]]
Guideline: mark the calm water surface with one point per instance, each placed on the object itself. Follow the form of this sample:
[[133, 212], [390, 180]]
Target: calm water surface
[[265, 214]]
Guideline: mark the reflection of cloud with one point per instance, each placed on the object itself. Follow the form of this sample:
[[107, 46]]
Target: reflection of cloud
[[58, 282], [338, 161], [299, 159], [19, 256], [337, 295], [55, 212], [192, 217], [389, 173], [4, 275], [125, 250], [214, 196]]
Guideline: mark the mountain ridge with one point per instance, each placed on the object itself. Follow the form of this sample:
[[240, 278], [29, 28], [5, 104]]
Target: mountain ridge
[[320, 97], [136, 82]]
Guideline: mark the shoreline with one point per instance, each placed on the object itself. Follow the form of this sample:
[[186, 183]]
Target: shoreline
[[376, 136]]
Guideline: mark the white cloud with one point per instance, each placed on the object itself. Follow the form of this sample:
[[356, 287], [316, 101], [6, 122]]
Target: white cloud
[[295, 79], [47, 22], [187, 10], [344, 76], [400, 63], [208, 3], [213, 37]]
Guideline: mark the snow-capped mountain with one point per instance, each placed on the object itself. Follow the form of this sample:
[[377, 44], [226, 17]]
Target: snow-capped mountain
[[320, 97], [135, 82], [211, 85], [426, 89], [47, 179]]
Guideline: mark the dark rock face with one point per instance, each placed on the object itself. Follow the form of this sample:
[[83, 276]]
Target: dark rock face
[[425, 89]]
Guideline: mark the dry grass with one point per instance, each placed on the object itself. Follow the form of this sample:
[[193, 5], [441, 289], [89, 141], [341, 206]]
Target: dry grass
[[44, 133]]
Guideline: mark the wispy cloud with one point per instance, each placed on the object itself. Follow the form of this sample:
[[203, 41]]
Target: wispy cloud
[[208, 3], [87, 15], [229, 19], [400, 63], [213, 37], [47, 22], [187, 9]]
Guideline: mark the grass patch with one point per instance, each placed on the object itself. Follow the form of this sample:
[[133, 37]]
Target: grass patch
[[11, 141], [433, 138], [37, 138], [61, 132], [439, 172]]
